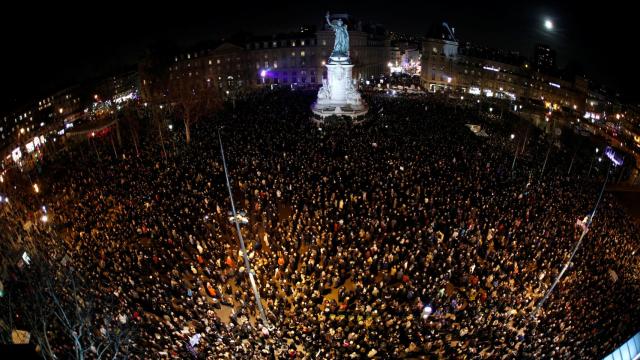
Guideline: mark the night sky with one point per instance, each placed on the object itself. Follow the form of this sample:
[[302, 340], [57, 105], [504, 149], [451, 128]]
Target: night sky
[[60, 45]]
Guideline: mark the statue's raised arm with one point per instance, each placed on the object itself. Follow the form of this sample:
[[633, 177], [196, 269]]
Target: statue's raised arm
[[328, 21]]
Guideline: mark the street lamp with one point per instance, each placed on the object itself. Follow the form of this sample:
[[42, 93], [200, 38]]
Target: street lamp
[[515, 153], [236, 221], [587, 224], [548, 24], [36, 188], [592, 160]]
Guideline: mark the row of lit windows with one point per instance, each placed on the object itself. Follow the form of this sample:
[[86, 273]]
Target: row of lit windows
[[285, 80], [282, 43]]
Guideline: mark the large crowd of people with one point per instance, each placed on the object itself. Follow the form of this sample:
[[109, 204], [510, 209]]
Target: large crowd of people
[[407, 236]]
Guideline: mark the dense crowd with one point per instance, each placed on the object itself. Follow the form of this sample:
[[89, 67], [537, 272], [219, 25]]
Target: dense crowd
[[406, 236]]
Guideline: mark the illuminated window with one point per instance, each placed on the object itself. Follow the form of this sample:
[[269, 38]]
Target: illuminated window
[[302, 43], [302, 53]]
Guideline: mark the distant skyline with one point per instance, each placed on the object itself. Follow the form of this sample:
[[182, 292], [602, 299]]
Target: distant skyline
[[62, 45]]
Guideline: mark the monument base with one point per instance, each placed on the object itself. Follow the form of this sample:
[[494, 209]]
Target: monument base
[[356, 113], [338, 95]]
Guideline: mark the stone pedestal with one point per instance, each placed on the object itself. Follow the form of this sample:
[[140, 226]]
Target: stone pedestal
[[338, 94]]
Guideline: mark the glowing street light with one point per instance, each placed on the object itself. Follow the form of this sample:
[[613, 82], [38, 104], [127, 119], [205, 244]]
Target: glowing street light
[[593, 160], [60, 110], [263, 74], [44, 218], [36, 188], [515, 153], [426, 312]]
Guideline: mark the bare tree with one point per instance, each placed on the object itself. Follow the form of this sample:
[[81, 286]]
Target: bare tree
[[64, 309], [193, 98], [90, 325], [155, 80], [131, 119]]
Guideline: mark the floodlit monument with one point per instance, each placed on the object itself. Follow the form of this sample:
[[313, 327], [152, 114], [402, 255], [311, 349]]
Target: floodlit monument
[[338, 95]]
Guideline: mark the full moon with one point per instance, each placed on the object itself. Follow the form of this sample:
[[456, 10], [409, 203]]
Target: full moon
[[548, 24]]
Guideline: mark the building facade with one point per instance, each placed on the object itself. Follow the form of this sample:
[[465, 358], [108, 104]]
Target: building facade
[[31, 118], [544, 58], [448, 65], [294, 59]]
